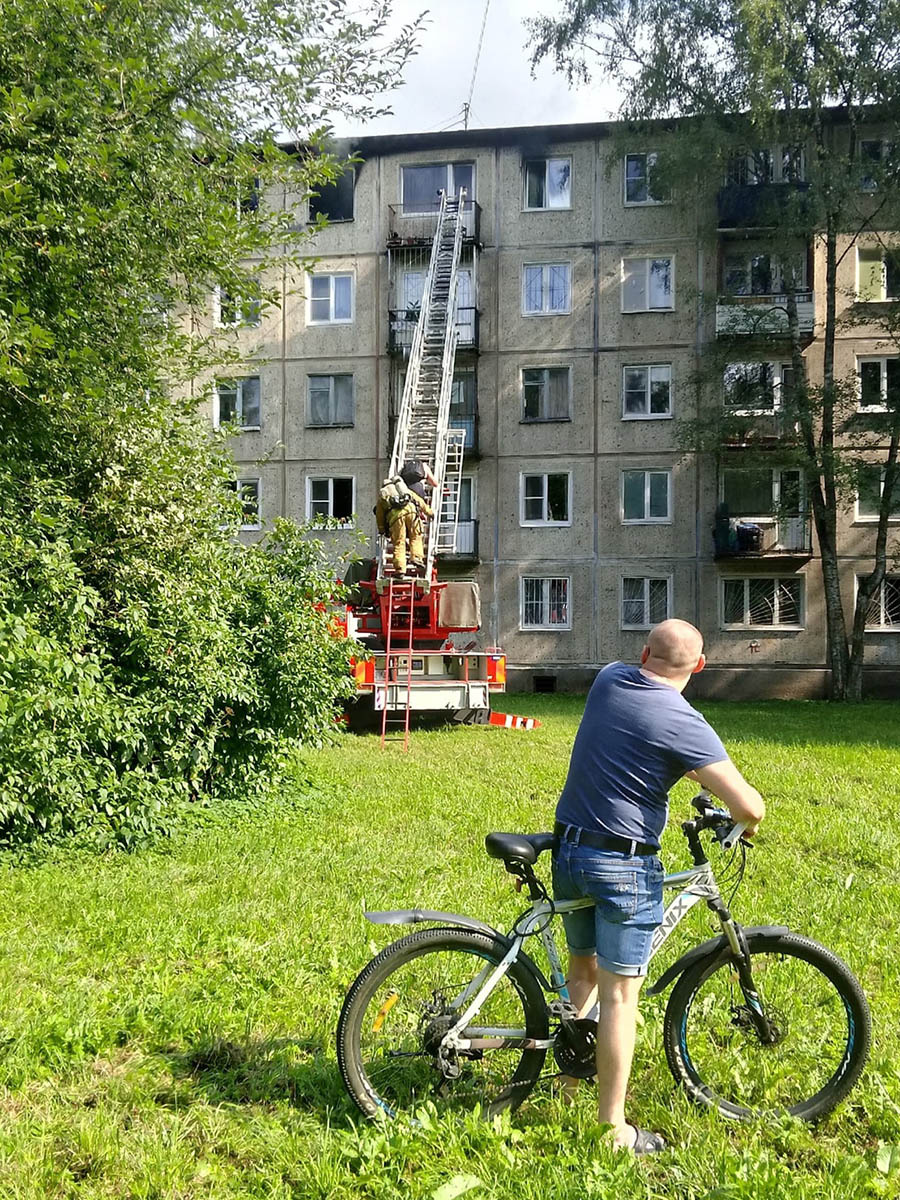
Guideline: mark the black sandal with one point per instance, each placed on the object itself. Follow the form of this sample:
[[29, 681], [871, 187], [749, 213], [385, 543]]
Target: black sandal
[[646, 1142]]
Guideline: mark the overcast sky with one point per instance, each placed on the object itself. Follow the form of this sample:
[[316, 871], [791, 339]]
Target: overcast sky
[[438, 78]]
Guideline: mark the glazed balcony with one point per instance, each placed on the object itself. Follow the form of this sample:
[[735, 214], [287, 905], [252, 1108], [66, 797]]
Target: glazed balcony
[[762, 316], [783, 540], [417, 228]]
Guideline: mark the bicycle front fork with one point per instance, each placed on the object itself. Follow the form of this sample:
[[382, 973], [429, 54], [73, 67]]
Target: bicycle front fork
[[740, 952]]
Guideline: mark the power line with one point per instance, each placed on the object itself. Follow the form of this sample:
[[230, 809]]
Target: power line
[[468, 104]]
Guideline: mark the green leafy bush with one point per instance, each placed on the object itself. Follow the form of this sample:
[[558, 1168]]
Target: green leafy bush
[[147, 660]]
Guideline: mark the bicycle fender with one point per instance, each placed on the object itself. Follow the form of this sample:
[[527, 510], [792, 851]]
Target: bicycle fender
[[707, 950], [416, 916]]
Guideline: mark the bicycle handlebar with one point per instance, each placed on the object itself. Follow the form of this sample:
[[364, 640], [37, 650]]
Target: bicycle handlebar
[[712, 817]]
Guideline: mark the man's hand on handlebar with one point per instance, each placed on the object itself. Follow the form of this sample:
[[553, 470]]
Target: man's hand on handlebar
[[744, 802]]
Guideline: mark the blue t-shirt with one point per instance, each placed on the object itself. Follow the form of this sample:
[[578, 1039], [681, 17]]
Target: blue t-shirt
[[636, 739]]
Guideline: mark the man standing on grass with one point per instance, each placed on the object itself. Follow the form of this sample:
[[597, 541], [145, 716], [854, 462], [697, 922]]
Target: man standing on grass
[[637, 738]]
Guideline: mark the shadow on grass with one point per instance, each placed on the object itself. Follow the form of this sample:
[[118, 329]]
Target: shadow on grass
[[257, 1071]]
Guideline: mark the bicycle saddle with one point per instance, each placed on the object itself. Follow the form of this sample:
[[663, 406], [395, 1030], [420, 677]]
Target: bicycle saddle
[[519, 847]]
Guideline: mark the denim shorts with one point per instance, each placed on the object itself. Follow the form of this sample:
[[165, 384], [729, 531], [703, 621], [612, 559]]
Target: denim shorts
[[627, 891]]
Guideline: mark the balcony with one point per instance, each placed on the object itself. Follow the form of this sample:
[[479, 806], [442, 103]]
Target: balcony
[[761, 205], [466, 543], [466, 421], [757, 431], [418, 228], [783, 541], [402, 327], [762, 316]]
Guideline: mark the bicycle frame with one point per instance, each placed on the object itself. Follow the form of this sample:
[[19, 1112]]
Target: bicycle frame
[[694, 885]]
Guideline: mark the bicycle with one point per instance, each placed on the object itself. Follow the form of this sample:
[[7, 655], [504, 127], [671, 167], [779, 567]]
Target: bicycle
[[760, 1019]]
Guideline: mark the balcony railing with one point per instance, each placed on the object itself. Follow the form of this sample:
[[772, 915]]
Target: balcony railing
[[762, 316], [761, 205], [402, 327], [466, 541], [781, 538], [413, 227], [760, 430]]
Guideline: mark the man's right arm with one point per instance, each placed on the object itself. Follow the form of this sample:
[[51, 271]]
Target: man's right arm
[[726, 782]]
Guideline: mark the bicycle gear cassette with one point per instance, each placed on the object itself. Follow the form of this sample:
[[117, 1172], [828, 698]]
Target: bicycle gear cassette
[[575, 1048]]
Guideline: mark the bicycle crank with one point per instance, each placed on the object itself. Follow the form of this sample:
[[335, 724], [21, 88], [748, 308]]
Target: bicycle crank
[[575, 1048]]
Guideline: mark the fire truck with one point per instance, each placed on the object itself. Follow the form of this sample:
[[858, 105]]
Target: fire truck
[[421, 634]]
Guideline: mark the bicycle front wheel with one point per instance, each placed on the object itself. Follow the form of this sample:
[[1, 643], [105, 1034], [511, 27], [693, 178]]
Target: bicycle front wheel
[[398, 1011], [821, 1031]]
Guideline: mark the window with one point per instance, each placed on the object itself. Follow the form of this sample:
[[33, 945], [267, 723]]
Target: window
[[330, 497], [547, 288], [544, 603], [877, 274], [884, 607], [546, 393], [763, 492], [334, 201], [762, 603], [769, 164], [330, 299], [879, 384], [421, 186], [762, 274], [464, 406], [750, 389], [647, 284], [237, 401], [330, 400], [646, 392], [645, 601], [869, 490], [248, 490], [548, 183], [875, 156], [232, 312], [545, 499], [640, 187], [646, 497]]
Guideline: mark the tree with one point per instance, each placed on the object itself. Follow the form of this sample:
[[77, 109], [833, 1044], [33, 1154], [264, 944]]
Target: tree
[[145, 657], [796, 73]]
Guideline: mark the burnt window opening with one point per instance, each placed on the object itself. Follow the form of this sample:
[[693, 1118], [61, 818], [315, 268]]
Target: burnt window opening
[[334, 201]]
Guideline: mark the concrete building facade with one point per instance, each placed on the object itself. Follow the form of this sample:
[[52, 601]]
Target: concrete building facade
[[588, 313]]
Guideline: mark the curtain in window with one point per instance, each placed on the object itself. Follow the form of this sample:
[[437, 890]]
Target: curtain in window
[[559, 602], [421, 186], [343, 297], [557, 394], [319, 401], [534, 289], [533, 602], [557, 288], [559, 173], [660, 390], [660, 282], [871, 274], [634, 284], [250, 400]]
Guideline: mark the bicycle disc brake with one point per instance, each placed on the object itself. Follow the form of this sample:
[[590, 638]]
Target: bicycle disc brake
[[575, 1048]]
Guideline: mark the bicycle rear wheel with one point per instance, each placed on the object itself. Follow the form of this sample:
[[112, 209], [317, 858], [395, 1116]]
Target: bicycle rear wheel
[[404, 1002], [821, 1022]]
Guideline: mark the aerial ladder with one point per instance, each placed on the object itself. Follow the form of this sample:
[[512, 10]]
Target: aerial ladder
[[411, 618]]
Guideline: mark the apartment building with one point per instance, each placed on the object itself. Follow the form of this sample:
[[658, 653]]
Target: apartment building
[[585, 320]]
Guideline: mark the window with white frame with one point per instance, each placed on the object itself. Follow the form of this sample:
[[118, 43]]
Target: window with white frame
[[545, 498], [421, 185], [884, 607], [759, 273], [646, 391], [646, 497], [234, 312], [544, 602], [329, 400], [640, 186], [546, 289], [762, 603], [331, 496], [874, 156], [879, 383], [646, 600], [753, 388], [548, 183], [648, 284], [249, 493], [466, 541], [237, 402], [546, 393], [768, 164], [766, 495], [877, 273], [870, 490], [330, 299]]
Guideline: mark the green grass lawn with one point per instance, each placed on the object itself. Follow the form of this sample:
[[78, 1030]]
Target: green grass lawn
[[167, 1018]]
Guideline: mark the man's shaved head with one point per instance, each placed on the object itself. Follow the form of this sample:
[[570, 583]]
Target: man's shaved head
[[674, 648]]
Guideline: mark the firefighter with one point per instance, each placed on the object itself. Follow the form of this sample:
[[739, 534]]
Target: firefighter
[[399, 512]]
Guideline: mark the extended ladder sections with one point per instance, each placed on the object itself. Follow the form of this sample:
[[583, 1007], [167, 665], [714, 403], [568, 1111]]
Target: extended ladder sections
[[423, 427]]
